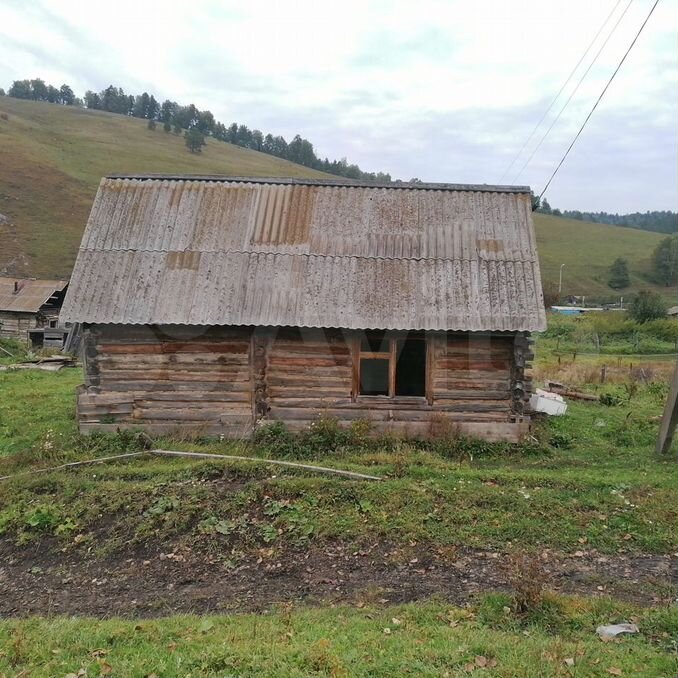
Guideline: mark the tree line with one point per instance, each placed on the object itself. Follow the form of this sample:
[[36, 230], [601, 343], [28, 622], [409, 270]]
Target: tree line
[[196, 125], [658, 221]]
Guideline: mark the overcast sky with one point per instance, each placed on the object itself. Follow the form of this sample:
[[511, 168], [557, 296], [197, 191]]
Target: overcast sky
[[441, 90]]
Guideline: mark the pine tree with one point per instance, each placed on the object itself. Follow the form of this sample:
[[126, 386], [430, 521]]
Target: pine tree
[[151, 124], [167, 126], [66, 95], [665, 261], [619, 274], [195, 140]]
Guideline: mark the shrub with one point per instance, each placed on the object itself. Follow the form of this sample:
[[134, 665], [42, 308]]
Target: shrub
[[647, 306], [275, 438], [326, 435], [664, 329]]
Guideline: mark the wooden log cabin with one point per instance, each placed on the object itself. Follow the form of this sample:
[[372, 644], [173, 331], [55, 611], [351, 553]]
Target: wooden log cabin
[[29, 304], [212, 304]]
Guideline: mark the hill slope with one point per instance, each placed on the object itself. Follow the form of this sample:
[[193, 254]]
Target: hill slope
[[52, 158], [588, 249]]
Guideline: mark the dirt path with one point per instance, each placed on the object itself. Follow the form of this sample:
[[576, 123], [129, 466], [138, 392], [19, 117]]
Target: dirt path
[[45, 580]]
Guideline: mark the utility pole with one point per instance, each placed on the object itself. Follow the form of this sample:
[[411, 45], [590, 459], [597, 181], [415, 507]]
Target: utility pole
[[670, 418], [560, 279]]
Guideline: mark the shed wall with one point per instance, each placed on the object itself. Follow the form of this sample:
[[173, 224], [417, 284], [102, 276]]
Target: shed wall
[[220, 381], [15, 325]]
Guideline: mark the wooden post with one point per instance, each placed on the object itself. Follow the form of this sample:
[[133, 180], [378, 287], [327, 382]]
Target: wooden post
[[670, 418], [603, 374]]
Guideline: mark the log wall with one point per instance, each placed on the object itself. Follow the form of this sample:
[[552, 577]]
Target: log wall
[[223, 380], [167, 380], [15, 325]]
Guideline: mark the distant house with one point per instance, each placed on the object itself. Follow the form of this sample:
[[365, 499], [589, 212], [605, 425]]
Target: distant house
[[27, 305], [211, 304]]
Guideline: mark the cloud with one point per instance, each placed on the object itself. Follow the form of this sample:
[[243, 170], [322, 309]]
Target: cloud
[[446, 91]]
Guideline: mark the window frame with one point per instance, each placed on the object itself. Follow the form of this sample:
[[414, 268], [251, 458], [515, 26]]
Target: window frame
[[392, 356]]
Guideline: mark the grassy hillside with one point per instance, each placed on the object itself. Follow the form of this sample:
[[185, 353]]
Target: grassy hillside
[[588, 249], [53, 158]]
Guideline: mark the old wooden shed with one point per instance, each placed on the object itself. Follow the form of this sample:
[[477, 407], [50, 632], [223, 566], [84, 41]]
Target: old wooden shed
[[26, 304], [212, 303]]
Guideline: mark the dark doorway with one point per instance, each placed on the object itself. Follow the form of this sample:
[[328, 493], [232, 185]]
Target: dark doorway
[[411, 367]]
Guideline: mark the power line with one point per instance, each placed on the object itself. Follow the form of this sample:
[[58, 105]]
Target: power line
[[560, 91], [609, 82], [574, 91]]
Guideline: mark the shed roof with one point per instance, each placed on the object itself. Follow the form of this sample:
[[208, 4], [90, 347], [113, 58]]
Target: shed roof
[[31, 294], [307, 253]]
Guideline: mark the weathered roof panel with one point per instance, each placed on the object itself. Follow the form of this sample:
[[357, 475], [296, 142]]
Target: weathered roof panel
[[322, 254], [31, 294]]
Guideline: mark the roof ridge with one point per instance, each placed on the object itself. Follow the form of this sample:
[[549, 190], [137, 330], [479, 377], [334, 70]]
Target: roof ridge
[[338, 183]]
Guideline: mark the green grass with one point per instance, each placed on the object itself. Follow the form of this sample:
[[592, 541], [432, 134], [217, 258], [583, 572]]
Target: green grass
[[414, 640], [36, 406], [53, 158], [592, 479]]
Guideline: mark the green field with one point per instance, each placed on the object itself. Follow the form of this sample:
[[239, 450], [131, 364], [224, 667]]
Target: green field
[[54, 156]]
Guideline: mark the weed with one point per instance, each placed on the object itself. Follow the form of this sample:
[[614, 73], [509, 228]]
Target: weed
[[613, 398], [561, 440], [526, 579], [43, 518], [214, 525], [163, 505]]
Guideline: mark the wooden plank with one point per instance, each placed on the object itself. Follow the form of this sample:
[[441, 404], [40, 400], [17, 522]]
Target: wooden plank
[[455, 395], [283, 392], [172, 375], [190, 414], [296, 350], [195, 396], [177, 347], [311, 373], [275, 379], [143, 386], [452, 383], [472, 363], [168, 359], [119, 408], [669, 418], [206, 405], [309, 362]]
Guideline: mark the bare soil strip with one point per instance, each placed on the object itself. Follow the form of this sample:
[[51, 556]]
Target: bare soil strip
[[41, 579]]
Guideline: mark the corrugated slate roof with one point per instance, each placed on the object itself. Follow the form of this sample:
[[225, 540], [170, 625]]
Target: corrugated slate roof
[[222, 251], [32, 294]]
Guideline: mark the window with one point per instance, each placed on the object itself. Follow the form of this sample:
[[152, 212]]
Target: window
[[52, 323], [391, 365]]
